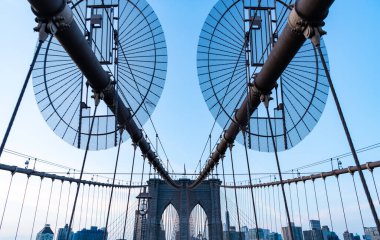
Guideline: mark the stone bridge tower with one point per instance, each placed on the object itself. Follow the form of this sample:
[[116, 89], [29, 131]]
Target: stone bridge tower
[[183, 199]]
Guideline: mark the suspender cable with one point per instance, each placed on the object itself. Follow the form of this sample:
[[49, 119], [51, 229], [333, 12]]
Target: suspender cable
[[87, 204], [307, 202], [11, 121], [316, 199], [48, 209], [225, 198], [68, 203], [236, 199], [291, 201], [266, 102], [83, 164], [97, 207], [270, 209], [35, 210], [279, 204], [274, 208], [113, 184], [341, 201], [328, 204], [59, 205], [6, 199], [250, 183], [81, 207], [129, 189], [349, 139], [22, 206], [298, 203], [357, 199], [92, 204], [374, 183]]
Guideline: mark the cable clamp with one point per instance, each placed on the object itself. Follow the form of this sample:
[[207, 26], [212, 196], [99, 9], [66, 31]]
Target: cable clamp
[[312, 30], [97, 97]]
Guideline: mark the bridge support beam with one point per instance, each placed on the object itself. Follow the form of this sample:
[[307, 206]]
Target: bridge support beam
[[183, 199]]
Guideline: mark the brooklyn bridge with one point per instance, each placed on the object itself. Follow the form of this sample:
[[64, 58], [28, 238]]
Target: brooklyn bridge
[[189, 120]]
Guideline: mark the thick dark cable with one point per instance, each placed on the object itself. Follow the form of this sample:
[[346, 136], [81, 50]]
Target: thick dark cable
[[6, 200], [341, 201], [349, 139], [236, 200], [22, 206], [35, 210], [279, 170], [250, 183], [11, 121], [82, 169], [129, 189], [328, 204], [113, 184]]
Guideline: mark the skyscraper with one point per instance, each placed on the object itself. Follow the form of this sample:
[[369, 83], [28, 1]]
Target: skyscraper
[[315, 233], [348, 236], [371, 233], [297, 232], [315, 225], [62, 233], [45, 234], [90, 234]]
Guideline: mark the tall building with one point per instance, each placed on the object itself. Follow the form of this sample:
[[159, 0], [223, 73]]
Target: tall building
[[315, 225], [297, 232], [45, 234], [348, 236], [371, 233], [315, 233], [90, 234], [232, 234], [62, 233]]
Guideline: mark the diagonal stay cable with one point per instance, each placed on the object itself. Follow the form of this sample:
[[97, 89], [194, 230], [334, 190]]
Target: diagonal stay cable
[[10, 124], [82, 169], [266, 102], [113, 184]]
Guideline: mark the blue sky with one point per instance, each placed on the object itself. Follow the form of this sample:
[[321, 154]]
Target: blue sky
[[181, 117]]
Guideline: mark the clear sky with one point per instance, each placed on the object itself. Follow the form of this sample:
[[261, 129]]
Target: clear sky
[[182, 118]]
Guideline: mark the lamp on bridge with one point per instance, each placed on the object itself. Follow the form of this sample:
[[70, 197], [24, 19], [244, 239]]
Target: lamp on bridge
[[143, 202]]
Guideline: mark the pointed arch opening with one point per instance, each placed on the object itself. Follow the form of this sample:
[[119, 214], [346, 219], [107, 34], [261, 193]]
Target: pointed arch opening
[[170, 223], [198, 224]]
